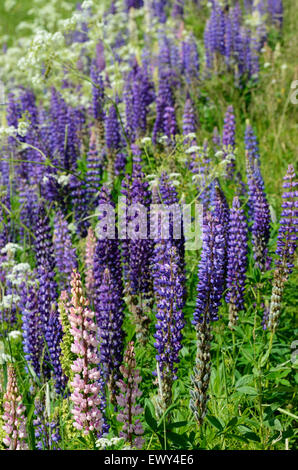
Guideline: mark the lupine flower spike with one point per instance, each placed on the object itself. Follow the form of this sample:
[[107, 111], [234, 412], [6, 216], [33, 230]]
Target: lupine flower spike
[[14, 415], [85, 384], [127, 400], [286, 246], [209, 297], [168, 289], [237, 261]]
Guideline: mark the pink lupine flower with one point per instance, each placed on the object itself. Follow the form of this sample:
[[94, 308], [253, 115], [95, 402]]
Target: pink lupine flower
[[14, 417], [127, 398], [85, 383]]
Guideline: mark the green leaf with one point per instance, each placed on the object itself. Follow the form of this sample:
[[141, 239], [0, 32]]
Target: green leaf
[[180, 440], [236, 436], [277, 425], [245, 380], [247, 390], [215, 422], [168, 410], [179, 424], [232, 422], [149, 416], [251, 436]]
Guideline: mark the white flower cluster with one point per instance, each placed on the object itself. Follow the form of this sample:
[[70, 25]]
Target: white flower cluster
[[9, 301], [15, 334], [10, 249], [9, 131], [4, 357], [103, 443], [20, 273]]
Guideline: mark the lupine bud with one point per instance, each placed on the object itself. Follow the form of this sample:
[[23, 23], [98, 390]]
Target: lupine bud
[[201, 372]]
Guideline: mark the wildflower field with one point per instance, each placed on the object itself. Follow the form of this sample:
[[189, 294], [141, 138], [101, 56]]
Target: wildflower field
[[148, 225]]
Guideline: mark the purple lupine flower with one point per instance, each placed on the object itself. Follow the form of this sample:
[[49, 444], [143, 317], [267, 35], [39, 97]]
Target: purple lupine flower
[[107, 253], [286, 241], [85, 383], [251, 145], [286, 246], [167, 196], [210, 288], [165, 122], [28, 202], [275, 9], [221, 212], [13, 114], [207, 44], [107, 256], [15, 434], [64, 127], [47, 298], [237, 261], [133, 4], [32, 331], [253, 167], [190, 61], [138, 95], [137, 248], [216, 139], [178, 8], [132, 429], [43, 240], [29, 108], [228, 138], [51, 327], [168, 286], [58, 114], [46, 429], [116, 159], [220, 206], [79, 197], [158, 7], [65, 254], [211, 271], [200, 166], [261, 223], [189, 125], [97, 93], [109, 316], [228, 40], [254, 60], [214, 36]]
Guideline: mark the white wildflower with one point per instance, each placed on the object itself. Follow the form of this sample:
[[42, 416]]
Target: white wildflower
[[192, 149], [15, 334]]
